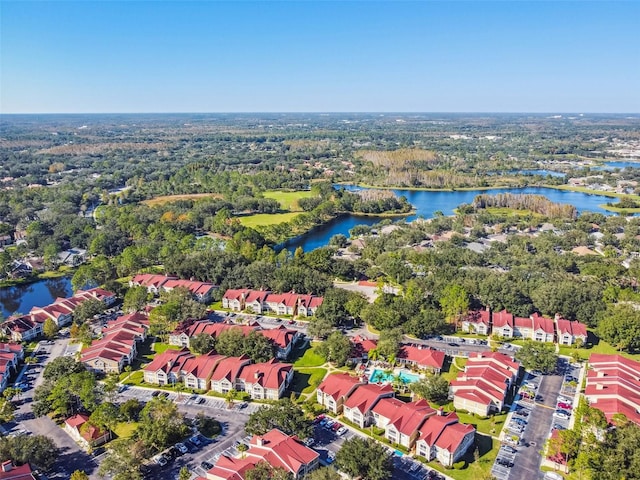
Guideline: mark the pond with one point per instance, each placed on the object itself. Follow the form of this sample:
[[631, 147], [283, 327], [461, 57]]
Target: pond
[[22, 298], [427, 203], [614, 165]]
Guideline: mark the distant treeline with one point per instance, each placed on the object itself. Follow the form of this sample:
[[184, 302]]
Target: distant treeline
[[534, 203]]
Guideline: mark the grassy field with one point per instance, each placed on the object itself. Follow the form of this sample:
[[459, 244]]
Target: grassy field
[[305, 380], [288, 200], [309, 359], [488, 426], [600, 347], [160, 347], [174, 198], [125, 430], [262, 219]]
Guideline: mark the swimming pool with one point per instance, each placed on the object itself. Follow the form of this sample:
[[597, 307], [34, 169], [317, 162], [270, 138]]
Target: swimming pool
[[379, 376]]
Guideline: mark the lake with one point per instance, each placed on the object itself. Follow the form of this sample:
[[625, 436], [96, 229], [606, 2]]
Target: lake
[[614, 165], [428, 202], [23, 298]]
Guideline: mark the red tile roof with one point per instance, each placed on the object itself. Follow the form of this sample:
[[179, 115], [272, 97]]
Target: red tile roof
[[502, 319], [338, 385], [576, 329], [270, 375], [542, 323], [230, 368], [453, 435], [22, 472], [280, 450], [405, 417], [169, 361], [434, 426], [423, 357], [230, 468], [365, 396], [281, 336]]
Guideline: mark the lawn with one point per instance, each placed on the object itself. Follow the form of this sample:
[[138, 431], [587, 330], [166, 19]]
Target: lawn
[[484, 425], [288, 200], [309, 359], [263, 219], [136, 378], [160, 347], [600, 347], [305, 380], [125, 430]]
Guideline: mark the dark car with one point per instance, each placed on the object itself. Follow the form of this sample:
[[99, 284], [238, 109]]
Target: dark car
[[155, 393], [206, 465], [508, 448], [97, 451], [173, 452], [504, 462], [164, 394], [199, 400]]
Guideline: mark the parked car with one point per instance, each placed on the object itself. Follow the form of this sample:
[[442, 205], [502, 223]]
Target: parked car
[[509, 449], [206, 466], [341, 431], [160, 460], [195, 440], [504, 462], [561, 414], [557, 426], [564, 406], [199, 400], [309, 441], [329, 424], [155, 393], [336, 426], [182, 448], [164, 394]]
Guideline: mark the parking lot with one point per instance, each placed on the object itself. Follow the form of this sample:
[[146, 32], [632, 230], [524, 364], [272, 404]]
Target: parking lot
[[528, 426]]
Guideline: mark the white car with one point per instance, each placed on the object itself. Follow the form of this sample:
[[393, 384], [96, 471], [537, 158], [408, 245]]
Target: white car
[[182, 448], [561, 415], [309, 441], [160, 460], [341, 431]]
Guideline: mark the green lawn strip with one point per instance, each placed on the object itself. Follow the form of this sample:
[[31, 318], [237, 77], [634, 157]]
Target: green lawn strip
[[600, 347], [136, 378], [305, 380], [288, 200], [488, 426], [309, 359], [160, 347], [125, 430], [262, 219]]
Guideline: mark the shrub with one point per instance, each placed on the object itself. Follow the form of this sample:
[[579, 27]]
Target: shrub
[[459, 465]]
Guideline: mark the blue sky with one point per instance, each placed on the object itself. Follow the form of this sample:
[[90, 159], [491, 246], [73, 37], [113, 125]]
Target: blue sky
[[421, 56]]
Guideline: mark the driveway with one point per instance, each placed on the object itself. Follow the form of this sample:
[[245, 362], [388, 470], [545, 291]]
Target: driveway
[[528, 460]]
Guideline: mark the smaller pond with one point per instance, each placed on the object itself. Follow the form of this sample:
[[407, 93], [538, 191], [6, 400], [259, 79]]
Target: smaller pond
[[380, 376], [544, 173], [22, 298], [614, 165]]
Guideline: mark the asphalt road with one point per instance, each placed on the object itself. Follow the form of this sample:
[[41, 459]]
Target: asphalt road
[[527, 464]]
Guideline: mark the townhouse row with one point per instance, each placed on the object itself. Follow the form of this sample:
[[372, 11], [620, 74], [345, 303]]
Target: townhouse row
[[416, 424], [262, 301], [484, 384], [274, 448], [10, 355], [221, 374], [535, 327], [613, 386], [118, 346], [283, 339], [27, 327], [155, 284]]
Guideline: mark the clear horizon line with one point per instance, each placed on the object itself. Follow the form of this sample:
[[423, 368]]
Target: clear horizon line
[[328, 112]]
